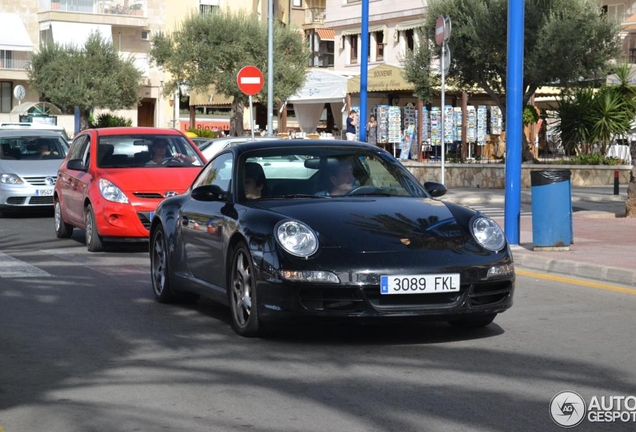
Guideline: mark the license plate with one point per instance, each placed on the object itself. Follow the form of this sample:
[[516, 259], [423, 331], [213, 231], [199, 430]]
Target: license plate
[[419, 284], [151, 215], [43, 192]]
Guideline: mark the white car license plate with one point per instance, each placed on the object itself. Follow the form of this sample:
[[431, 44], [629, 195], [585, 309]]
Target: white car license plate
[[43, 192], [419, 284]]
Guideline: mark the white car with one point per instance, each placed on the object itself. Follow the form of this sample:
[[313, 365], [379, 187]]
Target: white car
[[271, 165], [214, 146], [29, 160]]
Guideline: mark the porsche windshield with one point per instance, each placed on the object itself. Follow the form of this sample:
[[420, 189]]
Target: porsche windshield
[[325, 172]]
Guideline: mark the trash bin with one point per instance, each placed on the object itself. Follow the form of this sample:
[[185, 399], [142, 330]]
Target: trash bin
[[551, 209]]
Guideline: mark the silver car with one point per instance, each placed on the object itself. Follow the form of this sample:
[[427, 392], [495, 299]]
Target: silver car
[[29, 160]]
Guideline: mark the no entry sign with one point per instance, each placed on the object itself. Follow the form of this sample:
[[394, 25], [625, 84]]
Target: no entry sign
[[250, 80]]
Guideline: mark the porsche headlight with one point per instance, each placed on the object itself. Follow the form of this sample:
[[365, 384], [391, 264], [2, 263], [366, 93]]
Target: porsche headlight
[[111, 192], [488, 233], [297, 238], [10, 179]]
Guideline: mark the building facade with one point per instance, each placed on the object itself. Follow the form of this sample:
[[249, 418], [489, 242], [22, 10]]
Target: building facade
[[332, 29], [129, 24]]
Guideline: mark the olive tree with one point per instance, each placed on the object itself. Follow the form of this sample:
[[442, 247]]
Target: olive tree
[[89, 76], [209, 50], [565, 42]]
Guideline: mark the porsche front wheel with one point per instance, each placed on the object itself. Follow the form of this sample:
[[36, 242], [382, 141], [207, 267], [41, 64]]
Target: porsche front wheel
[[242, 293], [159, 268]]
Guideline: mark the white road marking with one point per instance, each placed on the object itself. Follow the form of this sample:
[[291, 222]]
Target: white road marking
[[14, 268]]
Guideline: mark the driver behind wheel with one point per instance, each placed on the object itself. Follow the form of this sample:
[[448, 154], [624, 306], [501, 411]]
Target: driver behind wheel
[[341, 179], [159, 153]]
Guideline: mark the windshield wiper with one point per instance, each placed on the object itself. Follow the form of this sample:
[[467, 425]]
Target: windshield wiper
[[299, 196]]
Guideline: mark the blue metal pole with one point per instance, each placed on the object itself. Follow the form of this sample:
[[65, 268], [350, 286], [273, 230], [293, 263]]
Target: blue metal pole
[[77, 121], [514, 120], [270, 68], [364, 69]]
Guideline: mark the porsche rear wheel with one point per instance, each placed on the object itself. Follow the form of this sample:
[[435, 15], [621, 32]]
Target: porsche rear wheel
[[242, 293], [93, 239], [476, 321], [62, 229], [159, 268]]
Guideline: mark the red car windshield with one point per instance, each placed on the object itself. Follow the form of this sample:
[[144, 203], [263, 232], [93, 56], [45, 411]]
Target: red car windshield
[[134, 151]]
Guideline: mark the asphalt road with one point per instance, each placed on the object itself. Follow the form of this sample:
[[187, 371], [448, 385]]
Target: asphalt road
[[84, 347]]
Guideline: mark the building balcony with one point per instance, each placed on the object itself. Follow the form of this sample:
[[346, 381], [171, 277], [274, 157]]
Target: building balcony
[[113, 8], [14, 60], [314, 16]]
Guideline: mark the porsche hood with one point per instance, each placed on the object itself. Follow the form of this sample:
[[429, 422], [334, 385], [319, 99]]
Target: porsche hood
[[371, 224]]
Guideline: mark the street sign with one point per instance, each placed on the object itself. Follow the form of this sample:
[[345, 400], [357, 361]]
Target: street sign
[[440, 26], [447, 28], [250, 80], [19, 92], [442, 29], [447, 58]]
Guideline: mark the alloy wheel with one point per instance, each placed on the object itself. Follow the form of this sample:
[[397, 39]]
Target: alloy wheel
[[242, 290]]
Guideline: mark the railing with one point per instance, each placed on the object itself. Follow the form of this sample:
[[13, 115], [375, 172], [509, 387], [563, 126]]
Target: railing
[[314, 15], [11, 63], [116, 7]]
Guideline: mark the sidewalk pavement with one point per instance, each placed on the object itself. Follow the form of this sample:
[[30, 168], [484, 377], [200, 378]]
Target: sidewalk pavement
[[603, 246]]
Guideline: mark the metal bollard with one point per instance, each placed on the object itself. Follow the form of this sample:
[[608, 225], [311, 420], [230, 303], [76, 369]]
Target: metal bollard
[[615, 182]]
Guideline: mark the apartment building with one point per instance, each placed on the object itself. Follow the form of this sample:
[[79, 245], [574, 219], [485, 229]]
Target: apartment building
[[129, 24], [332, 29]]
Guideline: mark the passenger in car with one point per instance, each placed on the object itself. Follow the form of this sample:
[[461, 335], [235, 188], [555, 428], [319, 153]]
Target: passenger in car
[[341, 180], [255, 183], [45, 151], [159, 153]]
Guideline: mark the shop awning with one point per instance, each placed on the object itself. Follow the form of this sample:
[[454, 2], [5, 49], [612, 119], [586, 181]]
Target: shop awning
[[209, 98], [409, 25], [350, 32], [39, 108], [372, 29], [381, 78], [629, 24], [326, 34], [76, 34], [14, 36], [321, 86]]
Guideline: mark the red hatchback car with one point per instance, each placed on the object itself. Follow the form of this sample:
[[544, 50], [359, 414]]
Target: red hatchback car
[[112, 180]]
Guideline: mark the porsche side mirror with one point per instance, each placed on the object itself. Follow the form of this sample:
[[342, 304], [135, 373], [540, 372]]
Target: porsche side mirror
[[209, 193], [435, 189]]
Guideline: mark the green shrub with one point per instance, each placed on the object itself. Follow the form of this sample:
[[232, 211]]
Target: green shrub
[[109, 120], [203, 133], [591, 159]]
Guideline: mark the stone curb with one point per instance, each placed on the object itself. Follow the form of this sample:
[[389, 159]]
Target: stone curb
[[572, 268], [526, 198]]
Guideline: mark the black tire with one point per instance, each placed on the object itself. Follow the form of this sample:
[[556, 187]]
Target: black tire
[[160, 268], [242, 293], [93, 239], [476, 321], [62, 229]]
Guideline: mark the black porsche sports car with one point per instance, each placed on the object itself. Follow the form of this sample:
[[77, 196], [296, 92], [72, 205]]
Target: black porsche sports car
[[326, 229]]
